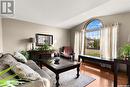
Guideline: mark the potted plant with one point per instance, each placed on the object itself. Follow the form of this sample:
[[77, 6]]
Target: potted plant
[[46, 48], [125, 51], [25, 53]]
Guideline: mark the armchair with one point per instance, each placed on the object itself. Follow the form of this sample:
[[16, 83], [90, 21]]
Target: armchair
[[67, 52]]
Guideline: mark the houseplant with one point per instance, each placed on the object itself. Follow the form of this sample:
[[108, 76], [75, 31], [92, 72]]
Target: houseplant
[[25, 53], [46, 48], [125, 51]]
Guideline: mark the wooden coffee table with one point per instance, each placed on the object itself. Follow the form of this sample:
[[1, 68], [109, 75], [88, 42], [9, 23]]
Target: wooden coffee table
[[64, 65]]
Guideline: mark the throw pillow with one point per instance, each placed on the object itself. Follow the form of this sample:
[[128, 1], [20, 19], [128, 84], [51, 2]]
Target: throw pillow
[[25, 72], [20, 57], [7, 59]]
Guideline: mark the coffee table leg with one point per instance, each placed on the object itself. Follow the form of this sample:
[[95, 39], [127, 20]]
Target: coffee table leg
[[78, 71], [57, 80]]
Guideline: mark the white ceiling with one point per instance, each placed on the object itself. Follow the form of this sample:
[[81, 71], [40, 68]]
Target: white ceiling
[[66, 13]]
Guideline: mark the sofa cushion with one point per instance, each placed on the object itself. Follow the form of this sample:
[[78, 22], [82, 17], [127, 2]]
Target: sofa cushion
[[42, 73], [20, 57], [36, 68], [32, 65], [25, 72]]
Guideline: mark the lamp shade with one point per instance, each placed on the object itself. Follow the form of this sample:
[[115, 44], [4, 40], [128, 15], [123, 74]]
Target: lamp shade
[[32, 40]]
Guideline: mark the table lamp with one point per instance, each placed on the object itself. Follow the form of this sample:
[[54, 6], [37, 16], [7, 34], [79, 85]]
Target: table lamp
[[32, 40]]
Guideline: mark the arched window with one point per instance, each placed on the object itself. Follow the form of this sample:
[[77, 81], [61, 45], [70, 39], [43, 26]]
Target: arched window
[[94, 24], [92, 37]]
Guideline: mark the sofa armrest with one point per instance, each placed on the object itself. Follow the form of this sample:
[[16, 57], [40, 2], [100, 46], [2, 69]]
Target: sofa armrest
[[72, 53]]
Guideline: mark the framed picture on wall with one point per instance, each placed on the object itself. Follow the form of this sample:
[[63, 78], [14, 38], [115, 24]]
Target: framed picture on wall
[[44, 39]]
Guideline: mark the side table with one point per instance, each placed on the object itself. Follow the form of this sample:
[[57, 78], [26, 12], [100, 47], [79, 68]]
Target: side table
[[116, 67]]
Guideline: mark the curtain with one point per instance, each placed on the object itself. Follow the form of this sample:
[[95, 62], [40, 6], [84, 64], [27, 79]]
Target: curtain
[[78, 43], [114, 40], [82, 42], [105, 43], [108, 46]]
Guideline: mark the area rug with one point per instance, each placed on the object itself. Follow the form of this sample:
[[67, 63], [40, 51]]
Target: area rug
[[68, 78]]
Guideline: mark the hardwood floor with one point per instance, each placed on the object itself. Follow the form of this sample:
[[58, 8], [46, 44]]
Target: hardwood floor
[[104, 77]]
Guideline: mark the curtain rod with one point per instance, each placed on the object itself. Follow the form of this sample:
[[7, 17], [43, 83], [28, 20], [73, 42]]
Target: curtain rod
[[116, 23]]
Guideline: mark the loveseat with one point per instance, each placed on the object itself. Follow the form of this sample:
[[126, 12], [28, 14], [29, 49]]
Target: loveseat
[[32, 65]]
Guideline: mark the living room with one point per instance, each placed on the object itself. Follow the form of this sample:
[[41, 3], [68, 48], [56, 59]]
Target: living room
[[93, 37]]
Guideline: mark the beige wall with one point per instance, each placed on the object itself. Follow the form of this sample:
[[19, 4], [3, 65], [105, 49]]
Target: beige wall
[[16, 34], [1, 41]]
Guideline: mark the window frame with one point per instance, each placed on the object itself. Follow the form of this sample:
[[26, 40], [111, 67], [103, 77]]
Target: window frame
[[85, 29]]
